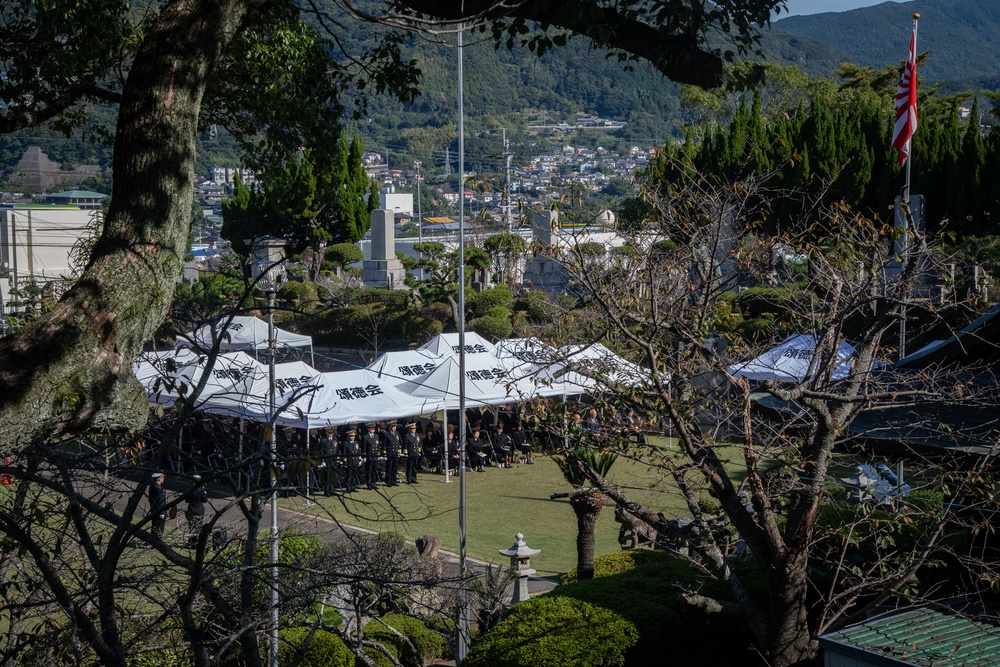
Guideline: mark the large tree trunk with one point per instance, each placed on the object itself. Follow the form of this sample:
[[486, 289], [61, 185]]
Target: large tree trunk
[[587, 504], [72, 369], [789, 640]]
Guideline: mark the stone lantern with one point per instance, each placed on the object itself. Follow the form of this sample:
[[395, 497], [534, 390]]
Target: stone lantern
[[520, 564]]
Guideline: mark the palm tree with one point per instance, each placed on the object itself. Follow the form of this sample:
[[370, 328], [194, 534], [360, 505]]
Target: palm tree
[[587, 502]]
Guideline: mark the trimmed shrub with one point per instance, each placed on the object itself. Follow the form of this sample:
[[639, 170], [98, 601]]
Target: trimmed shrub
[[555, 632], [645, 591], [430, 645], [487, 300], [325, 649], [616, 563], [536, 306], [494, 328], [437, 311], [297, 293]]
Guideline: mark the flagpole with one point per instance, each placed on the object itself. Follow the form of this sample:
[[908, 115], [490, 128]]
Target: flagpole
[[909, 141]]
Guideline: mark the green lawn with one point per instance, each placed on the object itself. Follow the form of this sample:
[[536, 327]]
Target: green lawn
[[500, 503]]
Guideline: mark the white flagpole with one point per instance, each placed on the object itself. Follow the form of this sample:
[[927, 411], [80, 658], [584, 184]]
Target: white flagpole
[[909, 141]]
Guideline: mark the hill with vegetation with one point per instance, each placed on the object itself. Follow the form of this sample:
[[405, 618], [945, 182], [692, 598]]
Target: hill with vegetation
[[960, 35]]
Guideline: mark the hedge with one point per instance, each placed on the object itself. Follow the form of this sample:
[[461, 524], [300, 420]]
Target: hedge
[[325, 649], [431, 646], [555, 632]]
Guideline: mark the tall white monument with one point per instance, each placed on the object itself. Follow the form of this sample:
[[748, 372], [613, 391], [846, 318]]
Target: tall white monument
[[383, 269]]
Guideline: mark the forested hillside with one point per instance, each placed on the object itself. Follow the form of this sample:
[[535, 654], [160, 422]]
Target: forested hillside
[[508, 89], [960, 35]]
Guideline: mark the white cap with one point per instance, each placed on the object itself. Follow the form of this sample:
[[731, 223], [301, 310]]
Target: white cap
[[157, 475]]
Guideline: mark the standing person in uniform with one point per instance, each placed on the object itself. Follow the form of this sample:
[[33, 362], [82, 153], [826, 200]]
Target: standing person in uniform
[[475, 450], [328, 453], [197, 498], [411, 446], [393, 449], [370, 446], [350, 451], [157, 500]]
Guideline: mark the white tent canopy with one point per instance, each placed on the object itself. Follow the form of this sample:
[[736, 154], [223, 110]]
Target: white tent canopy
[[242, 333], [487, 382], [789, 361], [597, 361], [532, 358], [232, 376], [444, 345], [405, 365], [349, 397]]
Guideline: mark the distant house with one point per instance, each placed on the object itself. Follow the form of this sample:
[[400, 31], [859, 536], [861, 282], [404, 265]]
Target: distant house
[[84, 199]]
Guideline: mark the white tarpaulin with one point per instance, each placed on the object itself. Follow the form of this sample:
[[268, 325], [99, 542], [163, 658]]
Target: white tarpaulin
[[487, 382], [231, 376], [405, 365], [349, 397], [243, 333], [161, 364], [789, 362], [292, 381], [597, 361], [444, 345], [533, 359]]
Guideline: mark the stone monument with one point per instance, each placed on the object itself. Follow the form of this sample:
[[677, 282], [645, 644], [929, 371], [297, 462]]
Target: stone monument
[[383, 270]]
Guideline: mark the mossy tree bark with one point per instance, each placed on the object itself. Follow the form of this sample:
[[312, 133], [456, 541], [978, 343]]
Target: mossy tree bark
[[71, 370]]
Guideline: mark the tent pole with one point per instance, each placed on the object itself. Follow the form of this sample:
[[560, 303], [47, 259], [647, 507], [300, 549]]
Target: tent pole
[[239, 451], [444, 449], [308, 468]]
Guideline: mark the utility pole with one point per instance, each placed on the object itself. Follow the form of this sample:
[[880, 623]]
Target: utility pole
[[506, 188], [420, 219], [447, 161]]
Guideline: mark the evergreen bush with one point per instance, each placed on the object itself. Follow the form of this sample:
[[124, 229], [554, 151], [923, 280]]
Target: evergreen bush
[[555, 632], [324, 649]]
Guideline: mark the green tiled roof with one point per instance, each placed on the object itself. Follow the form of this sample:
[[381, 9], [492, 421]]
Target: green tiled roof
[[77, 194], [954, 635]]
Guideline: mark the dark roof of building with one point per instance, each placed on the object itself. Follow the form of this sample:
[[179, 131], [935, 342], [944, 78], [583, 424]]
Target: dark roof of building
[[977, 345], [957, 634]]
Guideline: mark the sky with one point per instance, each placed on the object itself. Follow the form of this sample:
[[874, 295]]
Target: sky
[[818, 6]]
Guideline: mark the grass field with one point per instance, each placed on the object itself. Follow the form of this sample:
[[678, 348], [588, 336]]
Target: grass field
[[499, 503]]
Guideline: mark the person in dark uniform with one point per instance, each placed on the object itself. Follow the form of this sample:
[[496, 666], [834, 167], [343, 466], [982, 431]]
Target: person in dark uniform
[[433, 446], [370, 446], [521, 443], [503, 448], [475, 451], [393, 445], [452, 451], [157, 500], [411, 445], [350, 451], [196, 509], [328, 463]]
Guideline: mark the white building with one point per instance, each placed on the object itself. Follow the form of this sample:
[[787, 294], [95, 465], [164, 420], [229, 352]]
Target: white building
[[397, 202], [35, 245]]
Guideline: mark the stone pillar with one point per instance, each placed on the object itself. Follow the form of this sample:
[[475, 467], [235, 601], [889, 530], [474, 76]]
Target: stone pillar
[[383, 269]]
